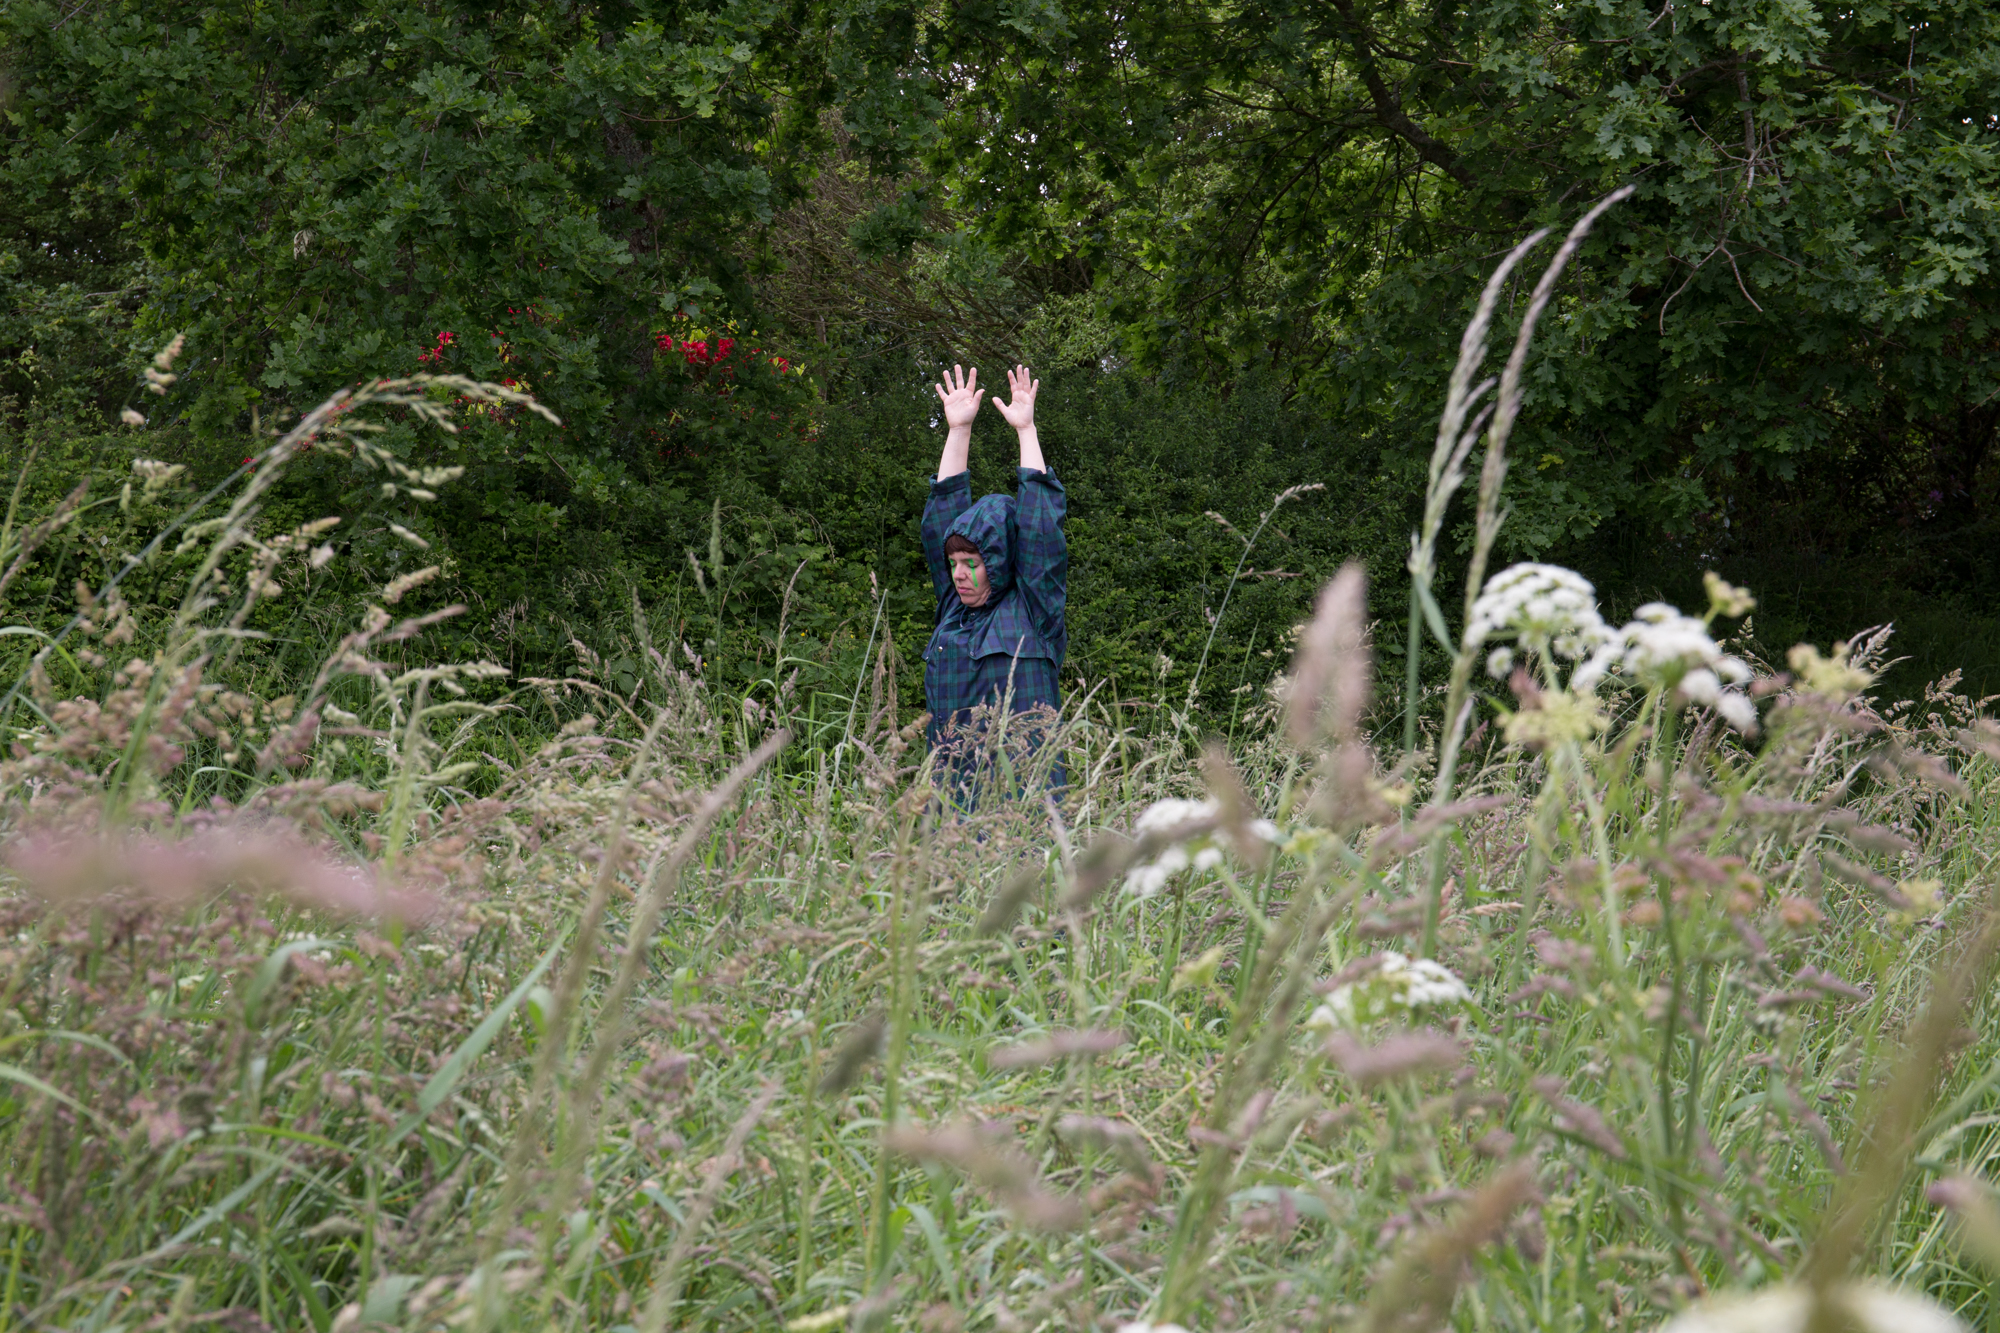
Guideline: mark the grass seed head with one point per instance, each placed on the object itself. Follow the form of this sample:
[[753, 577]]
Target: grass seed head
[[1330, 674]]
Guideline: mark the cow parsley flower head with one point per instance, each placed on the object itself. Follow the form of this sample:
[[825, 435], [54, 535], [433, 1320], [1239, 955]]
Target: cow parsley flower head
[[1549, 609], [1864, 1306], [1198, 849], [1396, 988], [1146, 880], [1171, 813], [1663, 649]]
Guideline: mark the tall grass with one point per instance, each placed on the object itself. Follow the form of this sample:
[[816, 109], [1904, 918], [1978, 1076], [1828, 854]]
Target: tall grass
[[706, 1013]]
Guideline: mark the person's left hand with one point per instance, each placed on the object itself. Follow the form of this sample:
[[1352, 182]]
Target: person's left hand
[[1020, 413]]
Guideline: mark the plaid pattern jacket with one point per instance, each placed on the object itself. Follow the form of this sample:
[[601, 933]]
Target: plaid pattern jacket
[[1015, 642]]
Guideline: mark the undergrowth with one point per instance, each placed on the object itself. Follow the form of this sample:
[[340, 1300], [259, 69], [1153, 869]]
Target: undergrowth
[[1654, 976]]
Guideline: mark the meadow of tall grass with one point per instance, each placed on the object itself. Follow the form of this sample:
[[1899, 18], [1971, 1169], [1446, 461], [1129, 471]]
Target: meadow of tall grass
[[1619, 977]]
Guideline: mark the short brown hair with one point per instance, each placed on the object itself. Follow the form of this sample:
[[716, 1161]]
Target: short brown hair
[[960, 544]]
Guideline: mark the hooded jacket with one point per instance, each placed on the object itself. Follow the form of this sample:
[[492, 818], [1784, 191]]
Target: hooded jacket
[[1021, 543]]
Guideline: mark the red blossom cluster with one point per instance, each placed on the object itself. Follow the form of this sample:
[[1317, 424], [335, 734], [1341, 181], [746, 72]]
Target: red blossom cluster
[[444, 340], [696, 350], [699, 352], [713, 361]]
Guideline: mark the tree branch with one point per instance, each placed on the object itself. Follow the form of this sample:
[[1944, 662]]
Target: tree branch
[[1389, 110]]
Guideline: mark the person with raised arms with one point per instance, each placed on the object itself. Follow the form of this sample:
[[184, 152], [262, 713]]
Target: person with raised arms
[[1000, 569]]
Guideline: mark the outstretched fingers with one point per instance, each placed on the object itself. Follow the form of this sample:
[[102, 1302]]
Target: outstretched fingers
[[1022, 385], [957, 381]]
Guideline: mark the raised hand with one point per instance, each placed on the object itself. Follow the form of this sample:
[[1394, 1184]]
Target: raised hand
[[959, 392], [1020, 413]]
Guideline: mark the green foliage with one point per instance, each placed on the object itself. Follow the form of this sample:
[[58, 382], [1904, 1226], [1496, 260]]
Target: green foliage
[[1782, 343], [811, 531], [1804, 282], [316, 193]]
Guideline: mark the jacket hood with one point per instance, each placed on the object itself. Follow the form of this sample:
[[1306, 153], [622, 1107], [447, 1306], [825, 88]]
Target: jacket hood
[[989, 525]]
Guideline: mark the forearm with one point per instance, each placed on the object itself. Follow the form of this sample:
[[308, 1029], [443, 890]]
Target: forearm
[[1031, 448], [957, 448]]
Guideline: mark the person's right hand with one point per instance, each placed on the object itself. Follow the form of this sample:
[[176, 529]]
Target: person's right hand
[[959, 392]]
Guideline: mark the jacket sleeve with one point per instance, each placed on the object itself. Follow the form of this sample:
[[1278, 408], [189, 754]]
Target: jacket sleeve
[[1039, 509], [948, 499]]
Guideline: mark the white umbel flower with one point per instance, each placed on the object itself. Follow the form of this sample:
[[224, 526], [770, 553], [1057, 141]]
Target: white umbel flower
[[1398, 987], [1661, 648], [1868, 1307], [1147, 880], [1171, 813], [1549, 609], [1200, 851]]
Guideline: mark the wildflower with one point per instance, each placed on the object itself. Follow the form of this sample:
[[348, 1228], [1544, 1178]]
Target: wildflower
[[1393, 985], [1147, 880], [1921, 899], [1664, 649], [1725, 599], [1865, 1307], [1554, 717], [1551, 610], [1171, 813], [1199, 849], [131, 418], [1831, 676]]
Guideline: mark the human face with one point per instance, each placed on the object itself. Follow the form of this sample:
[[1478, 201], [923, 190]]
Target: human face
[[968, 575]]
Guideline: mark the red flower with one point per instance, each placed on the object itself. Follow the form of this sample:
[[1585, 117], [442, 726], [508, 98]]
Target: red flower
[[444, 340]]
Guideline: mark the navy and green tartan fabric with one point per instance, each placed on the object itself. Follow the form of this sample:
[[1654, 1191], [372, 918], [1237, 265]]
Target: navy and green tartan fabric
[[1010, 649]]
